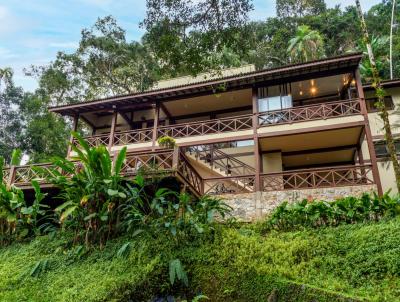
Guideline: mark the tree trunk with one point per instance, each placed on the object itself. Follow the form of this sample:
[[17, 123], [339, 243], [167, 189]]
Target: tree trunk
[[380, 94]]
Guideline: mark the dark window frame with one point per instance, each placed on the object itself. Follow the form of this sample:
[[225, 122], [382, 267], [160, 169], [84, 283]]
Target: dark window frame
[[370, 103]]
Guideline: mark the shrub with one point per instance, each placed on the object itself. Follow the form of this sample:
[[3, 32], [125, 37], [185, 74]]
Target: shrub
[[166, 142], [344, 210]]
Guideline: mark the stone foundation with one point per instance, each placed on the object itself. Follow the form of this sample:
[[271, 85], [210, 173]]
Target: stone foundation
[[253, 206]]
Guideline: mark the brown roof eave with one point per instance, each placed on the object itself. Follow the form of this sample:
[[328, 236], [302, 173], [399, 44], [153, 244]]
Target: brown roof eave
[[385, 84], [250, 78]]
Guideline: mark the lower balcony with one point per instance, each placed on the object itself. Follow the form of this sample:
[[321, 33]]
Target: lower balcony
[[180, 163]]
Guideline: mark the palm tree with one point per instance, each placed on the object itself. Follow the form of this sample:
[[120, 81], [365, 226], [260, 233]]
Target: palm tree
[[380, 94], [379, 48], [307, 45], [6, 75]]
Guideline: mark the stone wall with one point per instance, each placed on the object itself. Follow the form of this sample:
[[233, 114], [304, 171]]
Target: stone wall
[[253, 206]]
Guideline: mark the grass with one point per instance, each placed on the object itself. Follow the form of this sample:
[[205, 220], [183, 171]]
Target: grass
[[358, 262]]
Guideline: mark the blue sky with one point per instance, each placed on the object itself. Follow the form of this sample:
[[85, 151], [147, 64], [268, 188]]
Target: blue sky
[[32, 31]]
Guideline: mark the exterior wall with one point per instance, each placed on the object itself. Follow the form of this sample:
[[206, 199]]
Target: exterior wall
[[374, 119], [272, 162], [255, 206], [386, 172], [310, 124]]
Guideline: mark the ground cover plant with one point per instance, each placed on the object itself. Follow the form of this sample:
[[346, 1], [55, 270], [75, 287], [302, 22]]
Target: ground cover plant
[[316, 213]]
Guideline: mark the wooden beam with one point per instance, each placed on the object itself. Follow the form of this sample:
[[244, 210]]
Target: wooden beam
[[257, 156], [368, 134], [89, 123], [112, 132], [155, 126], [319, 150]]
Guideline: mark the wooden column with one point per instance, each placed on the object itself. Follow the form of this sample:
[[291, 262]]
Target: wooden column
[[112, 132], [11, 177], [257, 160], [156, 108], [368, 134], [74, 128]]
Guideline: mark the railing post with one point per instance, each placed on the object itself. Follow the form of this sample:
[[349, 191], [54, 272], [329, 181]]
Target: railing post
[[112, 132], [175, 158], [368, 134], [255, 137], [11, 177], [156, 107]]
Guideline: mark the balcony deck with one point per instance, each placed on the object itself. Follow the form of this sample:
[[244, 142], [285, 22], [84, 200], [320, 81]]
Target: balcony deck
[[241, 126], [175, 163]]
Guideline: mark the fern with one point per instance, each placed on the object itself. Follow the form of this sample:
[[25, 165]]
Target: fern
[[177, 272]]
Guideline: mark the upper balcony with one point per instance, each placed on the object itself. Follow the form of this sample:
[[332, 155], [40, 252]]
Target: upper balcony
[[236, 107]]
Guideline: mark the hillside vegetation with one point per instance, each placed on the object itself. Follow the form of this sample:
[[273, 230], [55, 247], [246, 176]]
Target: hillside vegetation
[[347, 263]]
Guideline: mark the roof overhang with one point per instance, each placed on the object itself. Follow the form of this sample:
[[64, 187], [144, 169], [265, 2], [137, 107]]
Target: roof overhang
[[386, 84], [294, 72]]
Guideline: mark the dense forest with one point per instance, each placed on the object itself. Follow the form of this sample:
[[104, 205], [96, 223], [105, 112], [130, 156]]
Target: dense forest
[[181, 38]]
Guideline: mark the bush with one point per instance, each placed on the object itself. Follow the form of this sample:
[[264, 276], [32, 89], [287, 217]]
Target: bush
[[344, 210], [166, 142]]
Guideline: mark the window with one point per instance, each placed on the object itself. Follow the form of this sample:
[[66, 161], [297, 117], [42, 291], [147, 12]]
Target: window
[[274, 98], [371, 107], [382, 151]]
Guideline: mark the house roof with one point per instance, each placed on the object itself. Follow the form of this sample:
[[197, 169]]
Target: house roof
[[311, 69], [385, 84]]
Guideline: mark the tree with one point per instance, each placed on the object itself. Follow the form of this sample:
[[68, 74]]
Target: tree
[[188, 37], [380, 94], [299, 8], [6, 75], [11, 121], [307, 45]]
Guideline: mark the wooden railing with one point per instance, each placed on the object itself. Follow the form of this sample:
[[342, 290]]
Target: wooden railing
[[229, 184], [96, 140], [159, 161], [317, 178], [189, 174], [310, 112], [230, 124], [133, 137], [215, 157]]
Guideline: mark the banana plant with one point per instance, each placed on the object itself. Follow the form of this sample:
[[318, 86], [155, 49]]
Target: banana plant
[[91, 188]]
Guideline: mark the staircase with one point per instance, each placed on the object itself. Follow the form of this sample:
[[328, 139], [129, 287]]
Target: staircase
[[221, 164]]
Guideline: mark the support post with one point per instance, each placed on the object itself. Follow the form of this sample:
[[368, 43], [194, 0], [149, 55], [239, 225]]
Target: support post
[[74, 128], [112, 132], [11, 177], [368, 134], [175, 158], [256, 143], [156, 107]]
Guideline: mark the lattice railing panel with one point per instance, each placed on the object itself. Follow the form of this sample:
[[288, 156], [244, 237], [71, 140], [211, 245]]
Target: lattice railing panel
[[96, 140], [25, 174], [148, 162], [133, 137], [6, 175], [207, 127], [229, 185], [311, 112], [189, 174], [318, 178]]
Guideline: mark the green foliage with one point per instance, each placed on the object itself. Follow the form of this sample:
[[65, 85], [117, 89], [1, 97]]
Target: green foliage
[[357, 262], [345, 210], [177, 272], [91, 190], [307, 45], [166, 142]]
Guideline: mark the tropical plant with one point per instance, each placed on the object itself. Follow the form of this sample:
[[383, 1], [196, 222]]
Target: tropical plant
[[91, 188], [307, 45], [166, 142], [350, 209], [17, 219]]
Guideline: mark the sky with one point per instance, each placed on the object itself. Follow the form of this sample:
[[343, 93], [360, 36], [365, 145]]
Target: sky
[[33, 31]]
